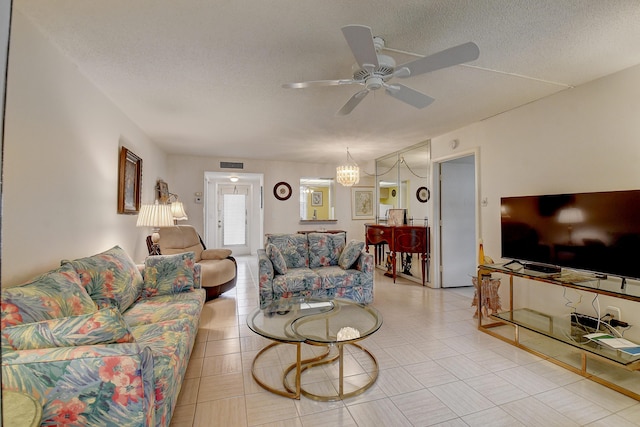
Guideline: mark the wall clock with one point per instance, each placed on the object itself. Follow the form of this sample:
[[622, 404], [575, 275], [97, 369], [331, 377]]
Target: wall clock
[[423, 194], [282, 191]]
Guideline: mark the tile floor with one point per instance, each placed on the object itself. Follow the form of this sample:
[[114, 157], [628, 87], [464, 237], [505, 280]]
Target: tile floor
[[435, 369]]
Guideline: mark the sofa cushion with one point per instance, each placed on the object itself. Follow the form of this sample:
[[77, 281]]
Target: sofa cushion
[[296, 279], [105, 326], [325, 248], [336, 277], [168, 274], [57, 293], [350, 254], [294, 248], [276, 258], [165, 307], [110, 275]]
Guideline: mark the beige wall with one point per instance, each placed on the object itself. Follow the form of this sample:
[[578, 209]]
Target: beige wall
[[186, 177], [580, 140], [62, 138]]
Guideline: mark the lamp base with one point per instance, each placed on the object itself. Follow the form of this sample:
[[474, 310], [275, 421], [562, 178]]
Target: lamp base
[[155, 238]]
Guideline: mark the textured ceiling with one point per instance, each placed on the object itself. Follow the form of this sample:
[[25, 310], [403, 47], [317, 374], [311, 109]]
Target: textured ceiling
[[205, 77]]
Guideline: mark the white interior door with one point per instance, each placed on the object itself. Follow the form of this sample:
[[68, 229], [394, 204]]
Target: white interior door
[[457, 222], [233, 212]]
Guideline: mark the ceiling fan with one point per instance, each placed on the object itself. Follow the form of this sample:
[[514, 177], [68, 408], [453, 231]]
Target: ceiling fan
[[376, 70]]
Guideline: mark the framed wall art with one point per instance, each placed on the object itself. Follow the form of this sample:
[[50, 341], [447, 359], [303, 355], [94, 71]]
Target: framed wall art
[[316, 198], [362, 202], [129, 181], [397, 217], [163, 192]]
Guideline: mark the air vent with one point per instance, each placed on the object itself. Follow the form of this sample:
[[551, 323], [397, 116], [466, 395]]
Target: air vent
[[231, 165]]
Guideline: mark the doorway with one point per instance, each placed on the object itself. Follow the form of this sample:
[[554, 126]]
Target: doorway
[[457, 214], [233, 217]]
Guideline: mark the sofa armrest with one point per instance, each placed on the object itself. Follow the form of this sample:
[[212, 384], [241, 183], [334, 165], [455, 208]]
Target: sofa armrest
[[265, 278], [96, 385], [215, 253]]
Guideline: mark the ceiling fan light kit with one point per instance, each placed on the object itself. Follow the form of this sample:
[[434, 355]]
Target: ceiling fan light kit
[[374, 69]]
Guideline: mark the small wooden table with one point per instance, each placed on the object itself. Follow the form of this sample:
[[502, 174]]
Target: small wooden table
[[401, 238]]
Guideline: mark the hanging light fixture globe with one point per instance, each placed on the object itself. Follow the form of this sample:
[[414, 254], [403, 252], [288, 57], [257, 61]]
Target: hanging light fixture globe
[[348, 174]]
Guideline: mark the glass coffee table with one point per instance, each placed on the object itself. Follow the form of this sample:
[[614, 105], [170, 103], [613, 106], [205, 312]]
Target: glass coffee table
[[318, 322]]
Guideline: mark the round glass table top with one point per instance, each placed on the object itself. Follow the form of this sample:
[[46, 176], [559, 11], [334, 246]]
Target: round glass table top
[[313, 320]]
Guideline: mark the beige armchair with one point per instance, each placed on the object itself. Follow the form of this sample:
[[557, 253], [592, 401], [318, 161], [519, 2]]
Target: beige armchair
[[218, 267]]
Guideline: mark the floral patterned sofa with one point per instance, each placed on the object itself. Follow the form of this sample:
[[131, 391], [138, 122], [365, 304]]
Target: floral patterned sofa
[[314, 265], [100, 341]]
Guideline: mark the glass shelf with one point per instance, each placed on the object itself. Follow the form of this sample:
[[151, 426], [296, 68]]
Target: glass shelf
[[561, 329], [572, 279]]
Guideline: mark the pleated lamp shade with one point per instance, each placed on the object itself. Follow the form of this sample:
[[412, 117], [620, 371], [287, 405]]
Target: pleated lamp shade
[[155, 216]]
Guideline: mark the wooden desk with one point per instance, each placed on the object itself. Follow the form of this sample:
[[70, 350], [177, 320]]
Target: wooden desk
[[401, 238]]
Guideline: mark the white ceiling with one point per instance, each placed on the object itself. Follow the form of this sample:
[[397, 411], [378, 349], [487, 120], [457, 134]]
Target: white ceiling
[[204, 77]]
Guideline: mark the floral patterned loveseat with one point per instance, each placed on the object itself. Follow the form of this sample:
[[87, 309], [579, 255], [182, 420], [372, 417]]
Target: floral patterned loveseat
[[314, 265], [100, 341]]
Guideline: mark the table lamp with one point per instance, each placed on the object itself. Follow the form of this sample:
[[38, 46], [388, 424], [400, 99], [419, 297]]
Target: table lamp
[[155, 216]]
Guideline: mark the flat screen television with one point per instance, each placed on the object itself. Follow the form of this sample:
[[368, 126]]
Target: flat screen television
[[597, 232]]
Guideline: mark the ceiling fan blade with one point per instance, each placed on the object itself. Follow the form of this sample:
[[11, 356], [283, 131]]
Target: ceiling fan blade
[[352, 102], [303, 85], [453, 56], [408, 95], [360, 40]]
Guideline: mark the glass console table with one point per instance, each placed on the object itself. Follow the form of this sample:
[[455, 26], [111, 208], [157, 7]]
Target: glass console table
[[560, 341]]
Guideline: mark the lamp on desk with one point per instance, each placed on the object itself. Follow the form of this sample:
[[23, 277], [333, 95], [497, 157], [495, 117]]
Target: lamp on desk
[[156, 216]]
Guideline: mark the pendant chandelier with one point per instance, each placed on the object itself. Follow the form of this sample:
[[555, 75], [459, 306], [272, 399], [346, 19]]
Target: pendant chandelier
[[348, 174]]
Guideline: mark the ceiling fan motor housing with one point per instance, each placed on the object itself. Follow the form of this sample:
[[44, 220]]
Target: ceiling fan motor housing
[[374, 78]]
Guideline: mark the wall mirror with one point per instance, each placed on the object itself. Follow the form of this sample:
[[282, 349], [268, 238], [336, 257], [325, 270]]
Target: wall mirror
[[402, 182], [317, 199]]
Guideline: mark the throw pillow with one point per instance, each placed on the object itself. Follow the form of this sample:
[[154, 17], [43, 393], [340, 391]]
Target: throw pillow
[[105, 326], [350, 254], [110, 274], [168, 274], [276, 258], [57, 293]]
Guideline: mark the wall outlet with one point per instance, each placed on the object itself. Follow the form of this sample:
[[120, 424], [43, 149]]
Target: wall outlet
[[614, 312]]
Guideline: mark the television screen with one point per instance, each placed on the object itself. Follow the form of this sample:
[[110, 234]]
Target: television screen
[[598, 232]]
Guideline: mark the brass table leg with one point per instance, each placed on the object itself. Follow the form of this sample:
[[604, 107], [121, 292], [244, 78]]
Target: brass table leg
[[325, 359]]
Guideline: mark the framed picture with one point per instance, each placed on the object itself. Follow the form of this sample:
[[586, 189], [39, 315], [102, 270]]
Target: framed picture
[[396, 217], [163, 192], [129, 181], [316, 198], [362, 203]]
